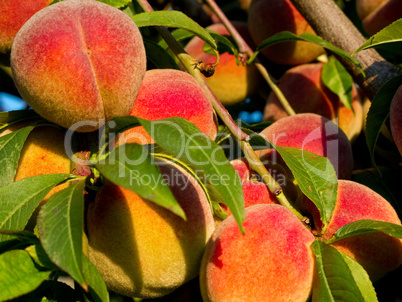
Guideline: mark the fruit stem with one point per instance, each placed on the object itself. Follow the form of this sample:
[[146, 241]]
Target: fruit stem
[[257, 166], [245, 48], [242, 138]]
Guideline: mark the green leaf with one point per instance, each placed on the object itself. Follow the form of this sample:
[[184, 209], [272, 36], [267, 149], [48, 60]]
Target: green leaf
[[158, 56], [286, 36], [132, 167], [116, 3], [8, 117], [390, 34], [18, 200], [60, 226], [315, 176], [339, 277], [39, 255], [186, 142], [174, 19], [379, 113], [338, 80], [179, 35], [366, 226], [18, 275], [97, 286], [10, 149]]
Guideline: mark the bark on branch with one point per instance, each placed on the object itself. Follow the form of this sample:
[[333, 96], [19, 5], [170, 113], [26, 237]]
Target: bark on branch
[[330, 23]]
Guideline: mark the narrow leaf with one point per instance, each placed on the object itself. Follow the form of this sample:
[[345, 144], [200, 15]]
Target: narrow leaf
[[158, 56], [97, 286], [339, 277], [131, 166], [286, 36], [379, 113], [390, 34], [186, 142], [367, 226], [315, 176], [174, 19], [18, 200], [60, 226], [12, 116], [338, 80], [10, 149], [18, 275]]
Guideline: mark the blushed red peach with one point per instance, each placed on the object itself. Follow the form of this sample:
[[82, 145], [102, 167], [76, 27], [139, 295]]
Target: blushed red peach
[[268, 17], [168, 93], [79, 61], [304, 90], [314, 133], [271, 262]]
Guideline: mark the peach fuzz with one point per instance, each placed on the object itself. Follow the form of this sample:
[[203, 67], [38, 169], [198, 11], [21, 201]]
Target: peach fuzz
[[142, 249], [271, 262], [268, 17], [13, 14], [79, 61], [377, 14], [376, 252], [396, 118], [304, 90], [314, 133], [168, 93], [231, 83]]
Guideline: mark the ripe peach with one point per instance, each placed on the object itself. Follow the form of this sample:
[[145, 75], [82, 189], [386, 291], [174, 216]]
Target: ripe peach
[[13, 14], [231, 83], [396, 118], [79, 61], [142, 249], [376, 252], [314, 133], [303, 88], [268, 17], [167, 93], [271, 262], [43, 153], [377, 14]]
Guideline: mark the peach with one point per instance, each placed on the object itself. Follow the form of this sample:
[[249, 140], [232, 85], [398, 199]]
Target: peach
[[43, 153], [396, 118], [377, 14], [272, 261], [142, 249], [314, 133], [13, 14], [268, 17], [303, 88], [168, 93], [376, 252], [79, 62], [231, 83]]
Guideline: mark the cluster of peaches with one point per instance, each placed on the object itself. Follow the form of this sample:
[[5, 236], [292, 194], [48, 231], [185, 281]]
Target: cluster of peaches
[[81, 63]]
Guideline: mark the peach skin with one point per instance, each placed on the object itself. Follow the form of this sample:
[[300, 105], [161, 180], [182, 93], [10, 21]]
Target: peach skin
[[168, 93], [231, 83], [79, 62], [271, 262], [142, 249]]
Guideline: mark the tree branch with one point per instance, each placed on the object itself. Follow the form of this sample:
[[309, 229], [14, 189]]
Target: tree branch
[[330, 23]]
